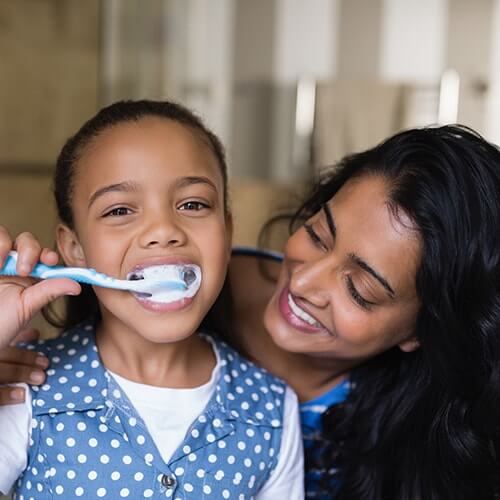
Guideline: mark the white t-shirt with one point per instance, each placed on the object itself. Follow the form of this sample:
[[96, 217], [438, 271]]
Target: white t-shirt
[[167, 429]]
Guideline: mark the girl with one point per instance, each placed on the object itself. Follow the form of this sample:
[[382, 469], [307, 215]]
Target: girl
[[137, 403]]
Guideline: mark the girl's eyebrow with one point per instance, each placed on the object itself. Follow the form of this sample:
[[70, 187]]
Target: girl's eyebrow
[[358, 260], [124, 187], [193, 179]]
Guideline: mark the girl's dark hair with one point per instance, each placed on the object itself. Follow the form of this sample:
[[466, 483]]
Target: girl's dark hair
[[85, 305], [426, 425]]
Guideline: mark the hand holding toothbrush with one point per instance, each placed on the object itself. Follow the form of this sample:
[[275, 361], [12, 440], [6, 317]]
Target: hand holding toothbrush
[[20, 296]]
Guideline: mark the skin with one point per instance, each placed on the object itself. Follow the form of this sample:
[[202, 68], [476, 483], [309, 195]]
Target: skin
[[149, 192], [340, 284]]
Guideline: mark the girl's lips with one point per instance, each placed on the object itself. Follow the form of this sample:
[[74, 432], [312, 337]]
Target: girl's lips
[[294, 320], [162, 307]]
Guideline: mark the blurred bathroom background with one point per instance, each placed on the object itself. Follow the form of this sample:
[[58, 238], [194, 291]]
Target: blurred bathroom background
[[289, 85]]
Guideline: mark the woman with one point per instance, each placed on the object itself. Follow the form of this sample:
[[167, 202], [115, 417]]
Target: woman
[[384, 318]]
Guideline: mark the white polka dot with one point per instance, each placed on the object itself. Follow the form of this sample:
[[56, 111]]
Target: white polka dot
[[219, 475], [61, 458], [221, 444], [92, 475], [101, 492], [117, 393], [212, 458], [258, 448], [94, 364], [81, 426], [226, 494], [59, 489], [192, 457], [245, 405], [115, 475], [103, 428], [202, 419], [92, 442], [79, 491], [59, 427], [200, 473], [104, 459], [127, 459], [247, 462], [148, 493], [250, 433], [148, 457], [82, 458], [92, 382], [207, 490], [231, 459], [141, 439], [115, 443], [124, 492], [62, 380], [71, 474], [241, 445], [195, 433], [49, 441], [210, 438], [58, 396], [188, 487], [138, 476], [88, 399], [132, 421], [186, 449]]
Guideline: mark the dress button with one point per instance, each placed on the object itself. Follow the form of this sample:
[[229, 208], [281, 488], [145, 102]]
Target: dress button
[[168, 481]]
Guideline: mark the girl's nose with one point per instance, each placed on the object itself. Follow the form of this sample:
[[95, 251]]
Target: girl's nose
[[162, 231], [313, 281]]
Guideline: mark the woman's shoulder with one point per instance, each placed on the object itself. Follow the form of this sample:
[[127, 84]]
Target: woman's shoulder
[[253, 274]]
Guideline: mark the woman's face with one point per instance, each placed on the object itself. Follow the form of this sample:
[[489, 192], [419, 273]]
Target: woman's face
[[347, 285]]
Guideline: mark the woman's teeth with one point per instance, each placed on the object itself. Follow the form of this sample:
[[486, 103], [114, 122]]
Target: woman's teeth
[[302, 314]]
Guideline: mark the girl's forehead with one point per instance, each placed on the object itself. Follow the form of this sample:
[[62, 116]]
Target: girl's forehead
[[150, 146]]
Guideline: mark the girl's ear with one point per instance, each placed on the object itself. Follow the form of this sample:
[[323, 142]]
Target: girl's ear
[[69, 246], [409, 345]]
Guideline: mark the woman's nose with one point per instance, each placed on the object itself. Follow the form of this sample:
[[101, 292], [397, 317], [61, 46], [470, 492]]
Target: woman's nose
[[162, 231], [313, 281]]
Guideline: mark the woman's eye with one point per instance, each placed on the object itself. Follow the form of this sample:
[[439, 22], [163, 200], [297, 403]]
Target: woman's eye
[[193, 205], [118, 212], [315, 237], [365, 304]]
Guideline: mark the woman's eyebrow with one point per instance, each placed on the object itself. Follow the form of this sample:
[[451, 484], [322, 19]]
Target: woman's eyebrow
[[329, 219], [124, 187], [363, 265]]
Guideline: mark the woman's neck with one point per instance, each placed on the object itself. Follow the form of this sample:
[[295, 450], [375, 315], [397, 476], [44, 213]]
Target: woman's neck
[[183, 364]]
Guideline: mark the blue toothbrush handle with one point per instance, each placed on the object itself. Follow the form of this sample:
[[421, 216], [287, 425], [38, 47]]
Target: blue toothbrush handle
[[39, 271]]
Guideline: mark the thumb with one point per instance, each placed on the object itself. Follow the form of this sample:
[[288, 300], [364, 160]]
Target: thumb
[[39, 295]]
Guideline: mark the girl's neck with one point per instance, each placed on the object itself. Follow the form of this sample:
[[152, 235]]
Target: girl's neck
[[184, 364]]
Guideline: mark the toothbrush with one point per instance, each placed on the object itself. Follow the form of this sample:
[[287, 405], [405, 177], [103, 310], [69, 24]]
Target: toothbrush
[[92, 277]]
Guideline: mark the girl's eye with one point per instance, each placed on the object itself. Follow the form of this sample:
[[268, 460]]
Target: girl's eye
[[118, 212], [365, 304], [315, 237], [193, 205]]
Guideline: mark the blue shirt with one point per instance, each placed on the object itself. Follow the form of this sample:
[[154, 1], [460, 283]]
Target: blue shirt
[[88, 441]]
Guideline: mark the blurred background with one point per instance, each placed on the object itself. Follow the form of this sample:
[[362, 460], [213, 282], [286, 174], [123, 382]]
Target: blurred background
[[289, 85]]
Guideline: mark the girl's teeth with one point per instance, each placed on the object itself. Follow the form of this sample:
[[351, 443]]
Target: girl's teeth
[[301, 313]]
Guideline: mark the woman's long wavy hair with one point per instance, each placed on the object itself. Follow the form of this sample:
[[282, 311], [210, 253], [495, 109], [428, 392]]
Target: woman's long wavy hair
[[426, 425], [85, 306]]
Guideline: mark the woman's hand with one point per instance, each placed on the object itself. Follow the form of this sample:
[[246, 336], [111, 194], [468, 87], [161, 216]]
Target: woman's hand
[[20, 365], [22, 297]]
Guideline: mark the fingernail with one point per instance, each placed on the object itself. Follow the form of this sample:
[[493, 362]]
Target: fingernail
[[41, 361], [17, 395], [23, 268], [37, 377]]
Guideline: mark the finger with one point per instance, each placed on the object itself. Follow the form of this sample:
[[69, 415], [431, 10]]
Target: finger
[[11, 395], [5, 244], [27, 335], [49, 257], [11, 373], [29, 250], [19, 356], [39, 295]]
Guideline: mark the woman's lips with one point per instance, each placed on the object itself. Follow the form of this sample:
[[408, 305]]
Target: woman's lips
[[292, 318]]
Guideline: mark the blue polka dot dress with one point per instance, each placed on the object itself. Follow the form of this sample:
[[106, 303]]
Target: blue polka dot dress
[[88, 441]]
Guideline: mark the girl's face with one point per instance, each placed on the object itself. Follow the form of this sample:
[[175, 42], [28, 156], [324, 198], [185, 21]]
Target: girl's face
[[347, 285], [150, 193]]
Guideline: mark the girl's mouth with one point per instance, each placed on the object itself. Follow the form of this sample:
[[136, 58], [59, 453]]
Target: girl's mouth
[[296, 316], [173, 285]]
